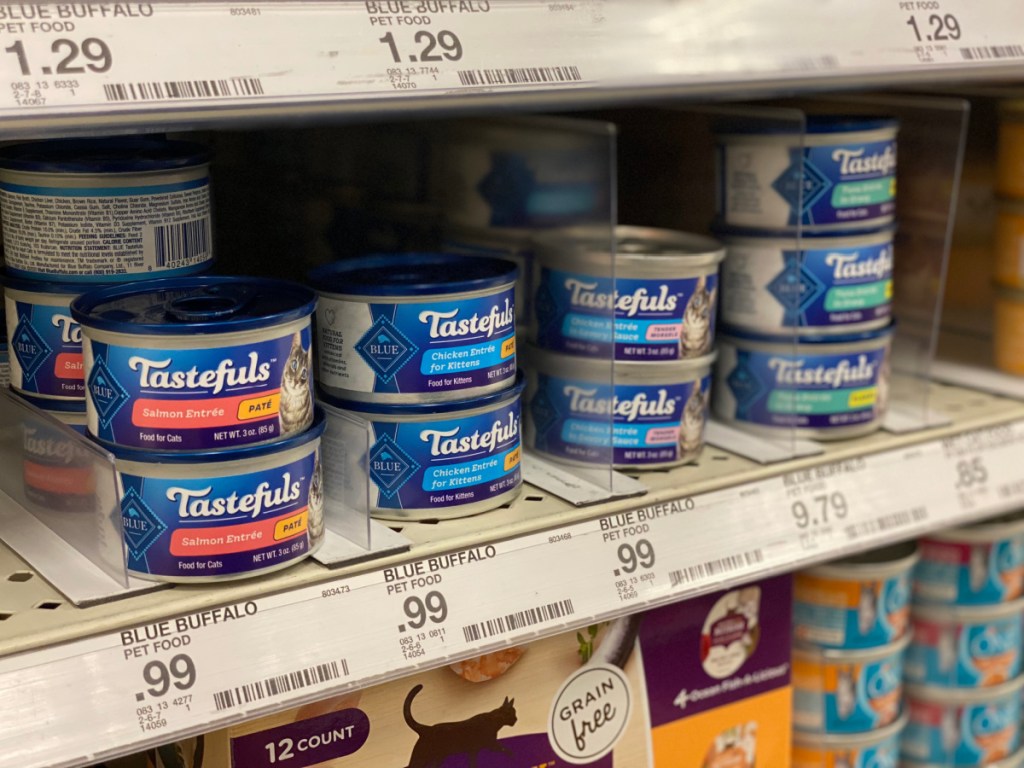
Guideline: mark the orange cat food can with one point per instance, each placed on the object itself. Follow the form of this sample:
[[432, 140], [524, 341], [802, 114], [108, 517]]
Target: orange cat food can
[[874, 749], [1008, 332], [1009, 243], [1010, 155]]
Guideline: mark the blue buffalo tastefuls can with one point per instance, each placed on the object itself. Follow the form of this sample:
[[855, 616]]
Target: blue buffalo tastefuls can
[[45, 341], [663, 293], [840, 174], [965, 727], [415, 327], [197, 363], [431, 461], [824, 388], [215, 515], [105, 210], [654, 415], [819, 284]]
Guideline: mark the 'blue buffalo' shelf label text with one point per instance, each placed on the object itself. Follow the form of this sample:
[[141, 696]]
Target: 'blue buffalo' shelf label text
[[185, 399], [669, 319], [203, 527], [46, 350], [634, 425], [809, 390], [415, 348], [448, 462]]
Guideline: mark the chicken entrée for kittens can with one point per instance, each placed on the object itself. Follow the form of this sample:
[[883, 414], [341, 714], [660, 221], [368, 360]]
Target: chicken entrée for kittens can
[[840, 174], [826, 388], [105, 210], [859, 602], [872, 749], [662, 293], [197, 363], [435, 461], [222, 514], [46, 343], [415, 327], [654, 415]]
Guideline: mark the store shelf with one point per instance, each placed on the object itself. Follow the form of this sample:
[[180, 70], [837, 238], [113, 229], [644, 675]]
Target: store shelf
[[533, 568], [238, 64]]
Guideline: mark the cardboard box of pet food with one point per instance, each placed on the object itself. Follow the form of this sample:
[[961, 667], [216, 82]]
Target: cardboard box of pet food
[[700, 684]]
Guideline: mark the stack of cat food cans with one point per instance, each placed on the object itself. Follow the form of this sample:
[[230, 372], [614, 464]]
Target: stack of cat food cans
[[851, 630], [963, 668], [807, 283], [1009, 241], [417, 352], [619, 366]]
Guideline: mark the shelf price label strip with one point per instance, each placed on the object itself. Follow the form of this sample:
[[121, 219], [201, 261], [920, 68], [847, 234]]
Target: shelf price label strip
[[152, 683], [62, 58]]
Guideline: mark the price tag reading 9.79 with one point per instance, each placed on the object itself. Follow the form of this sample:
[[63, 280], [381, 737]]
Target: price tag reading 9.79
[[821, 510]]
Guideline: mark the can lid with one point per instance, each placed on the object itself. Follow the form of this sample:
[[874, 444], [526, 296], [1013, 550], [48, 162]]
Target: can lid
[[814, 124], [851, 655], [882, 563], [626, 372], [994, 529], [125, 154], [850, 741], [58, 406], [802, 338], [143, 456], [412, 274], [968, 614], [9, 280], [424, 409], [632, 245], [176, 305], [958, 697]]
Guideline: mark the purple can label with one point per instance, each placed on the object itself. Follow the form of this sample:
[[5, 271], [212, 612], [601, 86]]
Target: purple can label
[[314, 741], [416, 348], [632, 425], [201, 527], [46, 350], [655, 319], [187, 399]]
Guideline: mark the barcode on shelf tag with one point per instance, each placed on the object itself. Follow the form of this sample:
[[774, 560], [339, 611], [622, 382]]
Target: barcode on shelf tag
[[518, 620], [713, 568], [980, 53], [275, 686], [184, 89], [886, 523], [520, 76]]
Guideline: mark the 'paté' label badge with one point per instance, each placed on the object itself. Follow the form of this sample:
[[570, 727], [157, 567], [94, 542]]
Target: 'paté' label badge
[[731, 632], [589, 714]]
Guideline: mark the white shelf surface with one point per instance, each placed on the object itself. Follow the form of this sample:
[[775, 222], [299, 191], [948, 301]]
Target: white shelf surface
[[535, 567], [223, 63]]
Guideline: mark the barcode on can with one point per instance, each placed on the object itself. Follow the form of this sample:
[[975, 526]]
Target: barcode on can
[[169, 90], [712, 568], [182, 242], [886, 523], [520, 76], [983, 52], [519, 620], [275, 686]]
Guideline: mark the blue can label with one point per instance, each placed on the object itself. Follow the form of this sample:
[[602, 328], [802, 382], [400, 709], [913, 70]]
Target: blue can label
[[220, 526], [847, 698], [446, 463], [415, 348], [812, 288], [630, 426], [970, 574], [46, 350], [802, 390], [976, 734], [667, 319], [185, 399], [839, 613], [965, 656]]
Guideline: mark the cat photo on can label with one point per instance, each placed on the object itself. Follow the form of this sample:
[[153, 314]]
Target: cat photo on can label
[[691, 423], [867, 606], [316, 502], [296, 409], [470, 737], [846, 692], [695, 339]]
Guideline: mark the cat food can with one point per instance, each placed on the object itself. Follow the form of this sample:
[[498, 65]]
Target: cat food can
[[1010, 151], [966, 727], [105, 210], [840, 174], [819, 284], [653, 417], [197, 363], [515, 245], [847, 691], [1009, 243], [825, 388], [873, 749], [966, 646], [859, 602], [662, 292], [57, 470], [223, 514], [45, 342], [434, 461], [979, 564], [524, 173], [415, 327]]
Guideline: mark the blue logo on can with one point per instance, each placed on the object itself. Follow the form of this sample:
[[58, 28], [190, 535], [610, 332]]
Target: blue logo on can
[[390, 466], [108, 396], [385, 348]]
